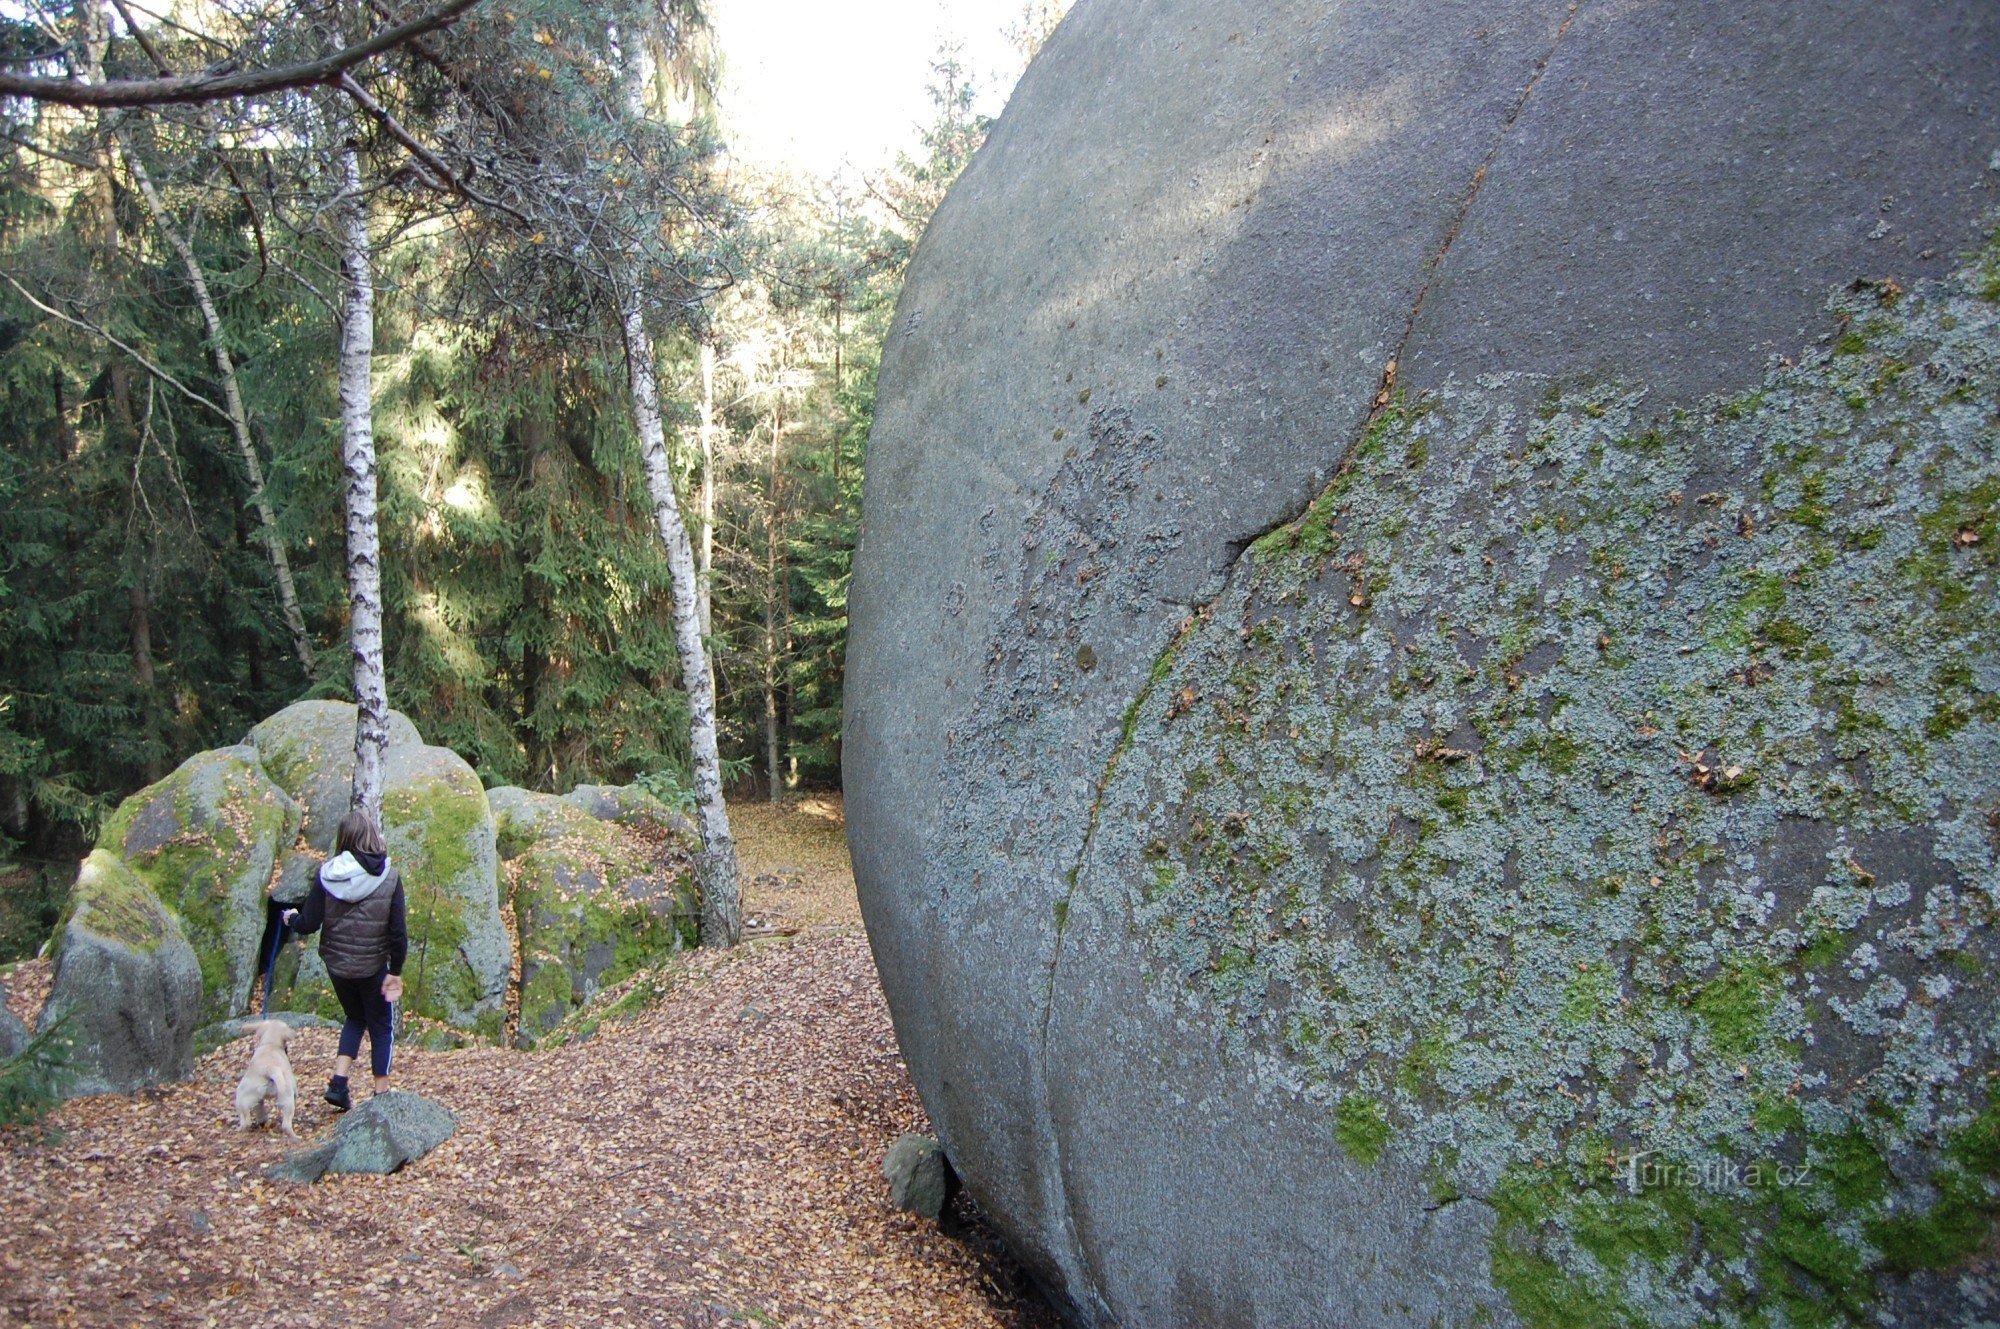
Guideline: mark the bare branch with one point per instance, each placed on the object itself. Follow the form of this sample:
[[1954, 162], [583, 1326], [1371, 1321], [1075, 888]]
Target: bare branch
[[446, 177], [224, 83], [54, 154], [96, 331]]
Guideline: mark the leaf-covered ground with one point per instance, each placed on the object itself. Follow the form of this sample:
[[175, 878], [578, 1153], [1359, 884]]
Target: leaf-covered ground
[[713, 1160]]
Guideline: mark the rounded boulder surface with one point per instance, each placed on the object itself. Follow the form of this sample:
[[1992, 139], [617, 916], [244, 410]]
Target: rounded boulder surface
[[308, 750], [206, 839], [593, 902], [1424, 684], [440, 833], [630, 806], [126, 988], [379, 1137]]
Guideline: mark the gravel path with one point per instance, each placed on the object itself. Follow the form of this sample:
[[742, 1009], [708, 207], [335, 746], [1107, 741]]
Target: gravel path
[[713, 1161]]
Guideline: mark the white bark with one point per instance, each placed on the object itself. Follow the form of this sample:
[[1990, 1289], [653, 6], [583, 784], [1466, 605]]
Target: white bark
[[721, 906], [357, 453], [706, 567], [239, 419]]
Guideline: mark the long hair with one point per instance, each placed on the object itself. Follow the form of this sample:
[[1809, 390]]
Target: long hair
[[358, 833]]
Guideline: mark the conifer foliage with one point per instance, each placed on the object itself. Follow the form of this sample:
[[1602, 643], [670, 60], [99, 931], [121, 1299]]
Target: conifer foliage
[[550, 226]]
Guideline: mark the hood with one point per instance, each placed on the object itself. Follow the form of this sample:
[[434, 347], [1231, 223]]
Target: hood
[[352, 877]]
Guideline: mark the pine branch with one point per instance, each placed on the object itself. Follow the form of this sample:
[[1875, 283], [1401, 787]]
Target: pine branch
[[222, 83]]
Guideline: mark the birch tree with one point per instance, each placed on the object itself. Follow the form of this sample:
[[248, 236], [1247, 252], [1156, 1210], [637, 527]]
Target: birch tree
[[357, 455], [721, 905]]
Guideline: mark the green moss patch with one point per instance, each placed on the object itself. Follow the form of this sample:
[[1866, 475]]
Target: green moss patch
[[1650, 756]]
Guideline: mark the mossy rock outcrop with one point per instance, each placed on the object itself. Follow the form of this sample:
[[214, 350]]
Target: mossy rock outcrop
[[126, 986], [440, 835], [1423, 735], [307, 749], [206, 839], [236, 826], [593, 902]]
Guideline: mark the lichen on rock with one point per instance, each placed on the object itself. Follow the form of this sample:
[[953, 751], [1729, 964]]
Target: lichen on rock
[[593, 902], [1609, 806]]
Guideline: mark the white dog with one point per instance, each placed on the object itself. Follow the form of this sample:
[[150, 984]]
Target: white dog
[[269, 1076]]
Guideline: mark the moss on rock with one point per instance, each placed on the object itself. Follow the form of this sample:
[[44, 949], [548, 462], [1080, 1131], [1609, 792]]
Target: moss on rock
[[1636, 783], [206, 839], [593, 901], [441, 838], [307, 750]]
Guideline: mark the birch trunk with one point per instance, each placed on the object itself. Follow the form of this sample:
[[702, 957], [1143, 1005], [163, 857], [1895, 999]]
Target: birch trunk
[[721, 907], [239, 419], [357, 453], [706, 567], [773, 780]]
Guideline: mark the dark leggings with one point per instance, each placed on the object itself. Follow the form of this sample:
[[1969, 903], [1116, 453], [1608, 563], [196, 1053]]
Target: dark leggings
[[366, 1008]]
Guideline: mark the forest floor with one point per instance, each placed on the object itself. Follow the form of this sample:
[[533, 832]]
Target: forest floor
[[714, 1160]]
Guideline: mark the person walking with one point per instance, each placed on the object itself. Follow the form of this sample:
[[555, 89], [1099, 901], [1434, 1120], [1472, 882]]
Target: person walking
[[357, 908]]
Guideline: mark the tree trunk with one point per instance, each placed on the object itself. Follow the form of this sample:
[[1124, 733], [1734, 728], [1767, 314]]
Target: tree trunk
[[706, 567], [772, 780], [772, 580], [721, 907], [141, 622], [232, 399], [357, 453]]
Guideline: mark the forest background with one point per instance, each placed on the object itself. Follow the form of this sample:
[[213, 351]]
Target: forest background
[[149, 518]]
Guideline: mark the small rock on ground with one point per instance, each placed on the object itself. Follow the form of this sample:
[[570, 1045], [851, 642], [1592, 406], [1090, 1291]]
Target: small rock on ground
[[921, 1179], [378, 1137]]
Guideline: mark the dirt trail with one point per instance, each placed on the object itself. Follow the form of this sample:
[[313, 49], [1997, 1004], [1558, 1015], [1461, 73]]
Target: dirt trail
[[713, 1161]]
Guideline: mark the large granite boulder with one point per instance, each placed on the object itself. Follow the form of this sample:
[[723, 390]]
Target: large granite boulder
[[126, 987], [441, 837], [593, 902], [308, 750], [207, 839], [1424, 688]]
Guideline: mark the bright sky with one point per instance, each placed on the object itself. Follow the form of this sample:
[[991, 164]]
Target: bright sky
[[815, 84]]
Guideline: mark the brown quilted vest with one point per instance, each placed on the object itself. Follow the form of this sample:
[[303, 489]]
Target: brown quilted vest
[[354, 939]]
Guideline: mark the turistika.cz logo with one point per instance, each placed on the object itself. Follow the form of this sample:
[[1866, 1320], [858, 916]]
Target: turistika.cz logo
[[1646, 1170]]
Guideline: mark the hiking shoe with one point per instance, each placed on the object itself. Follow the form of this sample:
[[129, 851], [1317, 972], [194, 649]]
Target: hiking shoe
[[337, 1095]]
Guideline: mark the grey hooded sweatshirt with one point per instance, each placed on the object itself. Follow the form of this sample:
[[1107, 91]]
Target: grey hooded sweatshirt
[[359, 902]]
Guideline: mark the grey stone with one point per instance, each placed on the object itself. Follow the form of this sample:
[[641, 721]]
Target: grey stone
[[126, 987], [13, 1034], [306, 1166], [378, 1137], [308, 750], [206, 839], [440, 834], [297, 876], [920, 1176], [630, 806], [1156, 975]]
